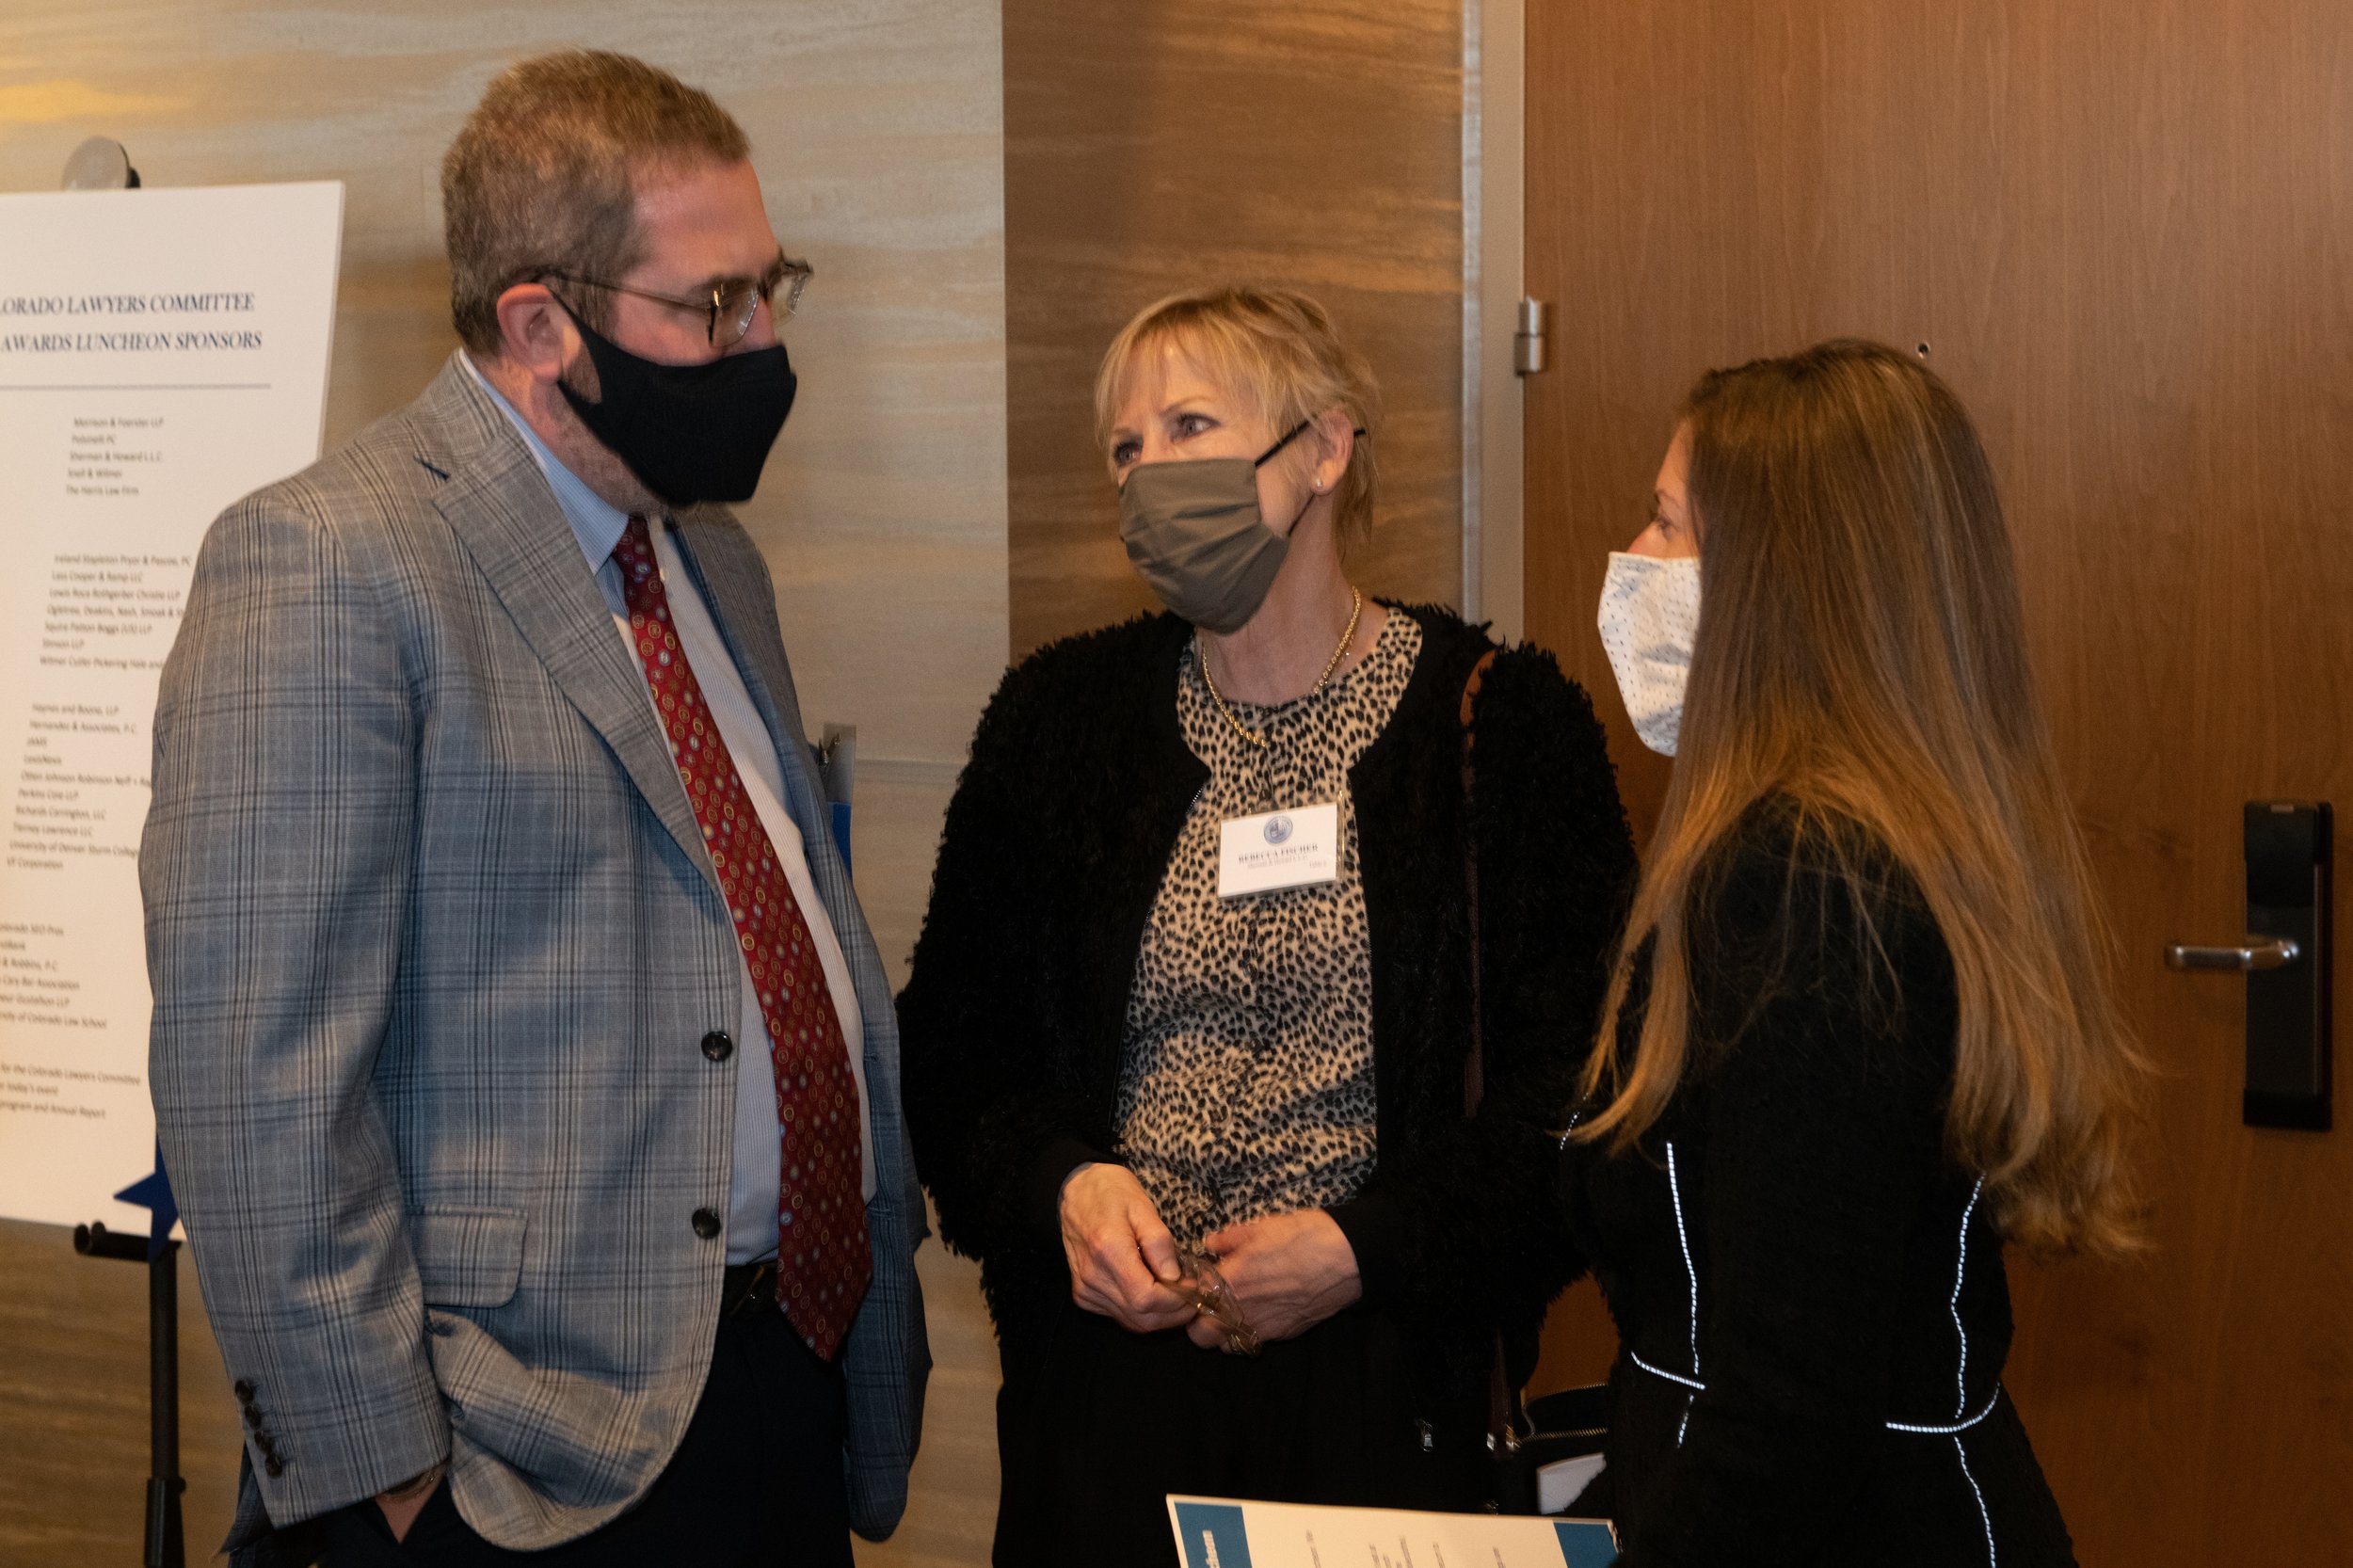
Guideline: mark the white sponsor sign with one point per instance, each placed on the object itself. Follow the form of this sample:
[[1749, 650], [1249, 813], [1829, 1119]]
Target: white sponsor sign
[[162, 353]]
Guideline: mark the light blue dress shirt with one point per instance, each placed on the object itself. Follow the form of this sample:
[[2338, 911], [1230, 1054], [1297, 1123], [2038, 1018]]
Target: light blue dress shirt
[[598, 525]]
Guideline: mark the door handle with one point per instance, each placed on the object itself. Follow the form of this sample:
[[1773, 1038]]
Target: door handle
[[2286, 958], [2257, 952]]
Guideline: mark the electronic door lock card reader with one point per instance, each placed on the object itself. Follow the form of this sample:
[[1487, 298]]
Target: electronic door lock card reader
[[1299, 848], [1222, 1532]]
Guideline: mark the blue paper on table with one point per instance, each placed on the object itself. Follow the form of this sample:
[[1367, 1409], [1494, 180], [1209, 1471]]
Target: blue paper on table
[[1224, 1532], [1214, 1535], [1587, 1543]]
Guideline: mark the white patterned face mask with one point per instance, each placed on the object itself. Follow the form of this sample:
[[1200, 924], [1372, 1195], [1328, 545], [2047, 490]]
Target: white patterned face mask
[[1650, 611]]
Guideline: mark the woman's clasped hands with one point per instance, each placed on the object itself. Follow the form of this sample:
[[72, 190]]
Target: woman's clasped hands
[[1281, 1275]]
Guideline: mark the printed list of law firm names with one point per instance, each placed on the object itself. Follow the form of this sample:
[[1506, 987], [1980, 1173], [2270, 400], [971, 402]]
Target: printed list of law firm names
[[105, 452], [83, 787]]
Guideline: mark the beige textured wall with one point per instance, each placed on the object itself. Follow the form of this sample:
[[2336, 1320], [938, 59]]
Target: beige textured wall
[[955, 197], [1152, 149], [876, 128]]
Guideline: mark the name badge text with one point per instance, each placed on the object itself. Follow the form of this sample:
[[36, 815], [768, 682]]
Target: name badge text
[[1298, 848]]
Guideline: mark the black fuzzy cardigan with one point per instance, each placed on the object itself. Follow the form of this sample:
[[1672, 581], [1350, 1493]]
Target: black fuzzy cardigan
[[1056, 842]]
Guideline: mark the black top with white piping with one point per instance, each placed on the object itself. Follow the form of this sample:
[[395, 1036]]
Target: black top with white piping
[[1809, 1292]]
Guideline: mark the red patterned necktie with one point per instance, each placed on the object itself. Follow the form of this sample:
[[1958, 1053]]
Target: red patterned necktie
[[823, 1261]]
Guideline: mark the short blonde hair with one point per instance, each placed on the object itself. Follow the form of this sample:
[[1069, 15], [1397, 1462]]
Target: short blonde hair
[[1277, 350], [542, 177]]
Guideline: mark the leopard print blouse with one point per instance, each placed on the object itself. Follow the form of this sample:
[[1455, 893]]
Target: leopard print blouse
[[1246, 1083]]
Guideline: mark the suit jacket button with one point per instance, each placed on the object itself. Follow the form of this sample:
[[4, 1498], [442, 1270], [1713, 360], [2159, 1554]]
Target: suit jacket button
[[717, 1046], [273, 1466], [244, 1391], [707, 1223], [253, 1417]]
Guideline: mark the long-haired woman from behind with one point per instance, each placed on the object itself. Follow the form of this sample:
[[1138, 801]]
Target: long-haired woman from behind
[[1860, 1035]]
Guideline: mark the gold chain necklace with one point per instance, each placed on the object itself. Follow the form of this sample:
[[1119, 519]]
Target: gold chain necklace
[[1258, 738]]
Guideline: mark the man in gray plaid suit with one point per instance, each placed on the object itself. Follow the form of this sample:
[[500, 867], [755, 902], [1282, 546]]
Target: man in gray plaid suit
[[523, 1064]]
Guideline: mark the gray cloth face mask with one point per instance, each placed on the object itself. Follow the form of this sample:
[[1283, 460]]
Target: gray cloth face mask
[[1192, 530]]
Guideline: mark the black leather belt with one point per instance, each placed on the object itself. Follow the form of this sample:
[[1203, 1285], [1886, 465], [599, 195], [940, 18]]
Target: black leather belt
[[747, 1287]]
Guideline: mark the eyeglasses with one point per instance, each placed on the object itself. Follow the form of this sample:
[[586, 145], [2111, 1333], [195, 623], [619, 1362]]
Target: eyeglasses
[[728, 309]]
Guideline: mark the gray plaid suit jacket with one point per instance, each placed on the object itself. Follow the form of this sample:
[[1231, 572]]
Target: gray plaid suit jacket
[[434, 942]]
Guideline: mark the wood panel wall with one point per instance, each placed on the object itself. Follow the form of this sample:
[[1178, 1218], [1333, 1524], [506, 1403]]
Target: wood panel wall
[[1150, 149], [2122, 229], [876, 128], [936, 502]]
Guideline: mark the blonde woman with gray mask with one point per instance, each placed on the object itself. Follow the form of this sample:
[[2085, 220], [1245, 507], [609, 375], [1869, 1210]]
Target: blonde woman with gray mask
[[1204, 997]]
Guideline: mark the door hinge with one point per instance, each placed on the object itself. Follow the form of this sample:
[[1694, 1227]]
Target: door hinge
[[1528, 344]]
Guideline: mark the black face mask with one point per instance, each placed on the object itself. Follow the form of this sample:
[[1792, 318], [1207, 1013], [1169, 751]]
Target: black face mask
[[690, 433]]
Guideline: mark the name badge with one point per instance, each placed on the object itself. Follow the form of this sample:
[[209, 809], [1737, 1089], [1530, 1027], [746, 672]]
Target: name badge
[[1299, 848]]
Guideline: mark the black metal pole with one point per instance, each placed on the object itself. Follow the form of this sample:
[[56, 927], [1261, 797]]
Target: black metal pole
[[165, 1546]]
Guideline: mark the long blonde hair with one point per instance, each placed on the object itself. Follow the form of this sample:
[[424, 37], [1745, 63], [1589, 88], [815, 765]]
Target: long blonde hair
[[1861, 651]]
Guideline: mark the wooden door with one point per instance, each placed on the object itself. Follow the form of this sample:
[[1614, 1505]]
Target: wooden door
[[2123, 231]]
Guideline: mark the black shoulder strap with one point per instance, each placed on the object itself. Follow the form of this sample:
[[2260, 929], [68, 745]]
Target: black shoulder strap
[[1475, 1064], [1502, 1429]]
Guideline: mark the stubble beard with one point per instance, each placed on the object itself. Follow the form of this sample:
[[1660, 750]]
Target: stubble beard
[[598, 465]]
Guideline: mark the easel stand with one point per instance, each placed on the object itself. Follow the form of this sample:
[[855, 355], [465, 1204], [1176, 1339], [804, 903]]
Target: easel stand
[[164, 1548]]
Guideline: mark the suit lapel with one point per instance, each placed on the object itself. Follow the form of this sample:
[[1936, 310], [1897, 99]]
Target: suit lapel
[[746, 619], [727, 571], [499, 504]]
